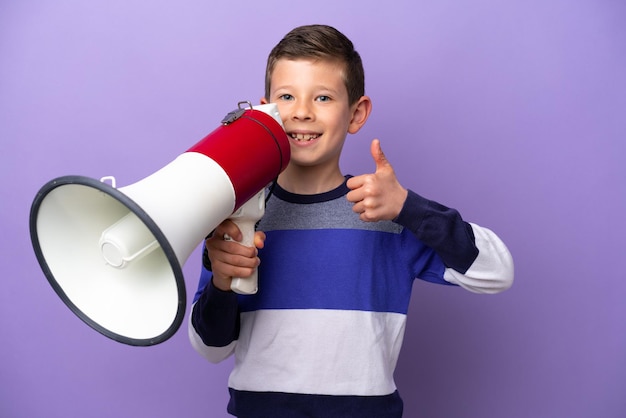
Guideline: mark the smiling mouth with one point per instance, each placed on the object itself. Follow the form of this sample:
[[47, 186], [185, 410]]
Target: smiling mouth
[[303, 137]]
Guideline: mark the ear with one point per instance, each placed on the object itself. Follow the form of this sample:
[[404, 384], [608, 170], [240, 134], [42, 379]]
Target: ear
[[360, 112], [264, 100]]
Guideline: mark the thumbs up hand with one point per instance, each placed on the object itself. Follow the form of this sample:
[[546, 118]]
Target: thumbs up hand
[[378, 196]]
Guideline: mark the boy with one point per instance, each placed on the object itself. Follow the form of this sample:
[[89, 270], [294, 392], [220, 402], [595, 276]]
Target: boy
[[322, 336]]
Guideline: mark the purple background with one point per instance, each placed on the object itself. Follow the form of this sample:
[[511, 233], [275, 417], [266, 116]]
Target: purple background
[[513, 112]]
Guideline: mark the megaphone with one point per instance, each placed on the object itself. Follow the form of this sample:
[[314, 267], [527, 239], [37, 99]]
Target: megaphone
[[115, 256]]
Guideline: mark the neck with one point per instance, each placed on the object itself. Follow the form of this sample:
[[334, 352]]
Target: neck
[[307, 180]]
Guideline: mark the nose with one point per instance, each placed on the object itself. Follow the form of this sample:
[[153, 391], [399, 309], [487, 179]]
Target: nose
[[302, 111]]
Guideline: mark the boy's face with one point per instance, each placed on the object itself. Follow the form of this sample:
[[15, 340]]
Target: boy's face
[[313, 102]]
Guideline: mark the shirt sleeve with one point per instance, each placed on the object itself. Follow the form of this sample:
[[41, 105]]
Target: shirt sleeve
[[214, 320], [475, 257]]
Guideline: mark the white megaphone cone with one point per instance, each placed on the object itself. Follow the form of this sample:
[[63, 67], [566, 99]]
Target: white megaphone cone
[[115, 256]]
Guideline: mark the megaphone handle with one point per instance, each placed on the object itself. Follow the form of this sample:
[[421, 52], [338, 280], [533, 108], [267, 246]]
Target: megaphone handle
[[246, 218]]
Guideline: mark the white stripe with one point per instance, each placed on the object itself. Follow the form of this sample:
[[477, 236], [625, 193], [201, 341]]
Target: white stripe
[[329, 352], [492, 271]]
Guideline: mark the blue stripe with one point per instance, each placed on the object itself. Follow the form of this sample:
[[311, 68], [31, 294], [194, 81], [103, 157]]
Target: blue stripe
[[335, 269], [205, 279]]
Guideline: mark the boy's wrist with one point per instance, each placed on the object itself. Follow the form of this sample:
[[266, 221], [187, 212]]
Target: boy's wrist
[[221, 285], [413, 210]]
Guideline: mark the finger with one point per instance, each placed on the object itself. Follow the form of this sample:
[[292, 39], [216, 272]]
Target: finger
[[358, 207], [228, 229], [378, 155], [227, 270], [354, 182], [259, 239], [227, 257], [355, 195], [234, 260], [228, 250]]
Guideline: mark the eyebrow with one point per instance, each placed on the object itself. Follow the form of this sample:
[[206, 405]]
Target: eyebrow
[[322, 88]]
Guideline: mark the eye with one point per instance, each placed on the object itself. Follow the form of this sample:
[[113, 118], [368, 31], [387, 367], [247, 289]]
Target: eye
[[323, 99], [285, 97]]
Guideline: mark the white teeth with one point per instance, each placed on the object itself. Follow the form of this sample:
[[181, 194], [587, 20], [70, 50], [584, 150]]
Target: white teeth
[[304, 137]]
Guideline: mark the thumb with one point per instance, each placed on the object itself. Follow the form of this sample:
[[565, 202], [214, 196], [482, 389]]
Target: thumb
[[378, 155]]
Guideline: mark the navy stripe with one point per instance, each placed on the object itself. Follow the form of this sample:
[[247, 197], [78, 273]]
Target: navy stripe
[[307, 272], [441, 228], [245, 404], [215, 316], [307, 199]]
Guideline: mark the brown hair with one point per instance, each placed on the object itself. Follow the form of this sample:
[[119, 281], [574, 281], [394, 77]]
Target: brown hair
[[320, 42]]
